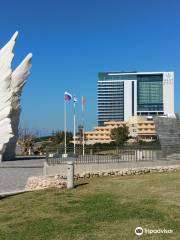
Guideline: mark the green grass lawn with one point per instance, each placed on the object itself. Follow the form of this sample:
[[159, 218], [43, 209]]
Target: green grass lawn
[[104, 208]]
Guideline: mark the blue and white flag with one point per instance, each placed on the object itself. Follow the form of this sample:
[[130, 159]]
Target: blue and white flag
[[75, 99]]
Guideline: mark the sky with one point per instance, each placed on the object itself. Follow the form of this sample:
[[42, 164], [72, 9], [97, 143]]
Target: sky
[[72, 41]]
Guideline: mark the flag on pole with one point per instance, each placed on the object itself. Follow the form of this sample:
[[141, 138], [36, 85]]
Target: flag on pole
[[67, 96]]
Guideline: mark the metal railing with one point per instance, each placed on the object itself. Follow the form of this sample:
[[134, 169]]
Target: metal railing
[[113, 154]]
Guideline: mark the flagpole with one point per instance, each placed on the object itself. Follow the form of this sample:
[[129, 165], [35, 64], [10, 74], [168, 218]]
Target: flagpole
[[74, 128], [65, 150], [83, 120], [83, 138], [67, 97]]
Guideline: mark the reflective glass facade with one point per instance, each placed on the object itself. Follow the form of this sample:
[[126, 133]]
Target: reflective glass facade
[[150, 93]]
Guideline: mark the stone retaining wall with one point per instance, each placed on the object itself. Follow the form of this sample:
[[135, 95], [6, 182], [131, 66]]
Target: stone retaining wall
[[130, 171], [42, 182], [168, 130]]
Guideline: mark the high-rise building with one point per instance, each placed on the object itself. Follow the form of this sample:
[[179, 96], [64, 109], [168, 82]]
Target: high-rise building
[[125, 94]]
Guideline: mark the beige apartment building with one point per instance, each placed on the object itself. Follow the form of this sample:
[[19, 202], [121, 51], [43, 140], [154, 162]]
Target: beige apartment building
[[140, 128], [101, 134]]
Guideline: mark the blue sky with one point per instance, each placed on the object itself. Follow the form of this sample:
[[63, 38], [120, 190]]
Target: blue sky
[[72, 41]]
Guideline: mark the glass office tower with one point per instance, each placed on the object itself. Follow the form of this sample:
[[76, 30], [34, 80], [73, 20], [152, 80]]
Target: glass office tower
[[125, 94]]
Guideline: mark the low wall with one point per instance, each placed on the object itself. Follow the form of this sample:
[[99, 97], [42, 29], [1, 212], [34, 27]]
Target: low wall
[[59, 181], [129, 171], [42, 182], [61, 169]]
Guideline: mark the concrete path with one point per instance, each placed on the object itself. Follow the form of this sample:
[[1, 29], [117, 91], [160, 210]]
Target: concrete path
[[14, 174]]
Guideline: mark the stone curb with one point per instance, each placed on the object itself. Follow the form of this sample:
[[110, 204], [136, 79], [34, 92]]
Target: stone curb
[[5, 194], [21, 166]]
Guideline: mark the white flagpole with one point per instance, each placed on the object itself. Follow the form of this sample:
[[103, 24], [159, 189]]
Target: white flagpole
[[74, 127], [65, 150], [83, 140], [83, 120]]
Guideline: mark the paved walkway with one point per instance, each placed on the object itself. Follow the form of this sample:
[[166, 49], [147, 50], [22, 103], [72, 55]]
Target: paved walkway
[[14, 174]]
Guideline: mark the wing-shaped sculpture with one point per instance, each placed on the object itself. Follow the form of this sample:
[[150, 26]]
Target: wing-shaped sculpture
[[11, 85], [6, 56], [18, 79]]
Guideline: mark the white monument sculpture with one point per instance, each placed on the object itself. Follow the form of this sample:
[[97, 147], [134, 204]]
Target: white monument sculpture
[[11, 84]]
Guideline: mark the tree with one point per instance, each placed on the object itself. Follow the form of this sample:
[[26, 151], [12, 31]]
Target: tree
[[26, 140], [120, 135], [58, 137]]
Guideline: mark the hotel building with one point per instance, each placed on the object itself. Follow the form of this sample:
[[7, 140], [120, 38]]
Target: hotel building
[[140, 128], [125, 94], [102, 134]]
